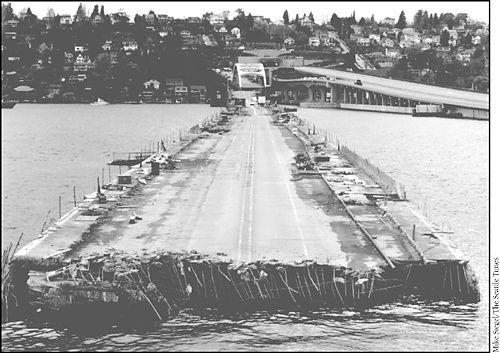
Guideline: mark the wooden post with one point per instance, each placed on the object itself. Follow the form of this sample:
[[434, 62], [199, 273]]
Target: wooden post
[[60, 211], [74, 195]]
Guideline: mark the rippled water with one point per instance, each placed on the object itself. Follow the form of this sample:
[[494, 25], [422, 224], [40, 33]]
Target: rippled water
[[442, 162]]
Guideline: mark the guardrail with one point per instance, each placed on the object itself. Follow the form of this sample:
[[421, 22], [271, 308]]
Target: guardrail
[[387, 183]]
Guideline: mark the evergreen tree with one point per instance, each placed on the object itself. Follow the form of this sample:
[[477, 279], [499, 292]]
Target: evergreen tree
[[7, 12], [425, 20], [102, 11], [95, 12], [401, 21], [311, 17], [286, 19], [80, 13], [250, 21], [372, 20], [297, 19], [445, 39]]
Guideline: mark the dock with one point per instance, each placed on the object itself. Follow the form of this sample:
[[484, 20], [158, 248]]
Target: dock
[[238, 223]]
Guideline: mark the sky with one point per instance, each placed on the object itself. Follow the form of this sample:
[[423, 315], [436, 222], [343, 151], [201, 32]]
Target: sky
[[322, 11]]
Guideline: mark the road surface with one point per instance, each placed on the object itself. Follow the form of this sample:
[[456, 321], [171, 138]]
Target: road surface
[[232, 197]]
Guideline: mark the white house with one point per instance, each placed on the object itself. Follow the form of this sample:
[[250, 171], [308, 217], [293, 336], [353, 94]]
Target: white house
[[374, 37], [289, 41], [364, 41], [476, 40], [80, 48], [66, 20], [152, 84], [107, 45], [390, 21], [129, 45], [387, 43], [314, 42], [235, 32], [392, 53]]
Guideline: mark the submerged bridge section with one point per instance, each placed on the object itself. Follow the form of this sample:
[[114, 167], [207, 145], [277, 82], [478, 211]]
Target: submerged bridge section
[[357, 91], [257, 213]]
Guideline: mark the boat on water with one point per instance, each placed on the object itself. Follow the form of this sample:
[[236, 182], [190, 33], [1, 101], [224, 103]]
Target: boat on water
[[8, 104], [99, 101]]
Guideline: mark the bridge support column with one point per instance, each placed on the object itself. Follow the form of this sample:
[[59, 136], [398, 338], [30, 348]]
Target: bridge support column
[[295, 96]]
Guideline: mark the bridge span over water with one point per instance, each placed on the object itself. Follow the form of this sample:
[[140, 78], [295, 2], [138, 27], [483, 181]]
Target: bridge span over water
[[339, 89]]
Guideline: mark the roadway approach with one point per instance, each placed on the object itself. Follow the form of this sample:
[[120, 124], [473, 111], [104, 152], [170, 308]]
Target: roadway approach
[[403, 89]]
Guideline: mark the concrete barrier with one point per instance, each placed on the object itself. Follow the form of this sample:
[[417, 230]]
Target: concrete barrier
[[377, 108], [322, 105]]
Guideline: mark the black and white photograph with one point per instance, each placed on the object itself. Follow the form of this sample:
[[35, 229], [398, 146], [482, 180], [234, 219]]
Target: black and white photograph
[[249, 176]]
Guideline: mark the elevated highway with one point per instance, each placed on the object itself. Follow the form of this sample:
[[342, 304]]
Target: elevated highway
[[403, 89]]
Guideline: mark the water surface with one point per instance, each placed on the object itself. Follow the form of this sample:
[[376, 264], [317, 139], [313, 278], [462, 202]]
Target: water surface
[[46, 149]]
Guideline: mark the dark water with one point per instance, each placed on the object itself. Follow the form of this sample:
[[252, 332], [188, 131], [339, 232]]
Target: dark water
[[443, 164]]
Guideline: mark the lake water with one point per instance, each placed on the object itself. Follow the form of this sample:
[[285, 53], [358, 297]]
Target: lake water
[[46, 149]]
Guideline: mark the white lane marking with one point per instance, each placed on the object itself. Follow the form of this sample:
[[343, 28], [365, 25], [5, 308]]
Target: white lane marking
[[243, 198], [294, 208], [252, 170]]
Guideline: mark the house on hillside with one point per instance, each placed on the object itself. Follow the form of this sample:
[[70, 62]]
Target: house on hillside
[[152, 84], [235, 32], [66, 20], [389, 21], [314, 41], [387, 43]]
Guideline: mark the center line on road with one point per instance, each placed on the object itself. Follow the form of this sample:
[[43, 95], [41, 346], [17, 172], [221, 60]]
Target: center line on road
[[252, 171], [244, 194]]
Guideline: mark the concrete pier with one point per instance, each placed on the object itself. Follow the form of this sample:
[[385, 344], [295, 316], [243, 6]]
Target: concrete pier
[[238, 199]]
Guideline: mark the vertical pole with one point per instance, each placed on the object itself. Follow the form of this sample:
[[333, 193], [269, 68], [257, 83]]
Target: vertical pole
[[74, 195], [120, 169], [60, 214], [102, 176], [109, 172], [413, 232]]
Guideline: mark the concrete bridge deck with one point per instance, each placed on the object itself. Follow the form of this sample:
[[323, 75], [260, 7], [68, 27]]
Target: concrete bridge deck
[[232, 196], [403, 89]]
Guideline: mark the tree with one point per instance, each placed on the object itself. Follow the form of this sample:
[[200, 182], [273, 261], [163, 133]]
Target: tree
[[362, 21], [286, 19], [102, 11], [7, 12], [372, 20], [401, 21], [311, 17], [445, 38], [297, 19], [95, 12], [250, 21], [80, 13]]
